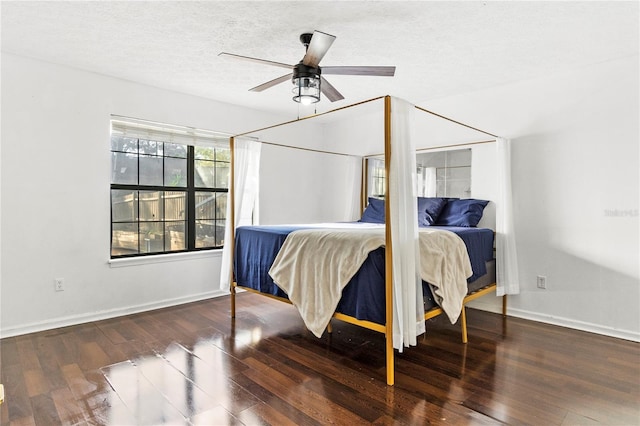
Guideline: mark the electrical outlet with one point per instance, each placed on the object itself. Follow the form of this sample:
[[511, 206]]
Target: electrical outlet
[[58, 284], [542, 282]]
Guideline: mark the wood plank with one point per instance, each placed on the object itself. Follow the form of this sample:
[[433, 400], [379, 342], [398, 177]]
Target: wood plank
[[9, 352], [263, 414], [26, 350], [44, 410], [315, 405], [25, 421], [211, 377], [48, 361], [70, 410], [17, 398], [215, 416], [36, 382]]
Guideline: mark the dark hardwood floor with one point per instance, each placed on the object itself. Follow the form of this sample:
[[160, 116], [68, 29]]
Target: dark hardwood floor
[[192, 364]]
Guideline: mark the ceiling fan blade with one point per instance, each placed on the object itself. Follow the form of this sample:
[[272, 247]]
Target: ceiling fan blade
[[320, 43], [355, 70], [271, 83], [260, 61], [329, 91]]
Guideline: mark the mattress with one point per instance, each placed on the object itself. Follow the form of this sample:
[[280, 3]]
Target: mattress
[[363, 298]]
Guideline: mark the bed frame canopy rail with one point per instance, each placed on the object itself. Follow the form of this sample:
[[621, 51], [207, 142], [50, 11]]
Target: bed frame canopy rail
[[387, 328]]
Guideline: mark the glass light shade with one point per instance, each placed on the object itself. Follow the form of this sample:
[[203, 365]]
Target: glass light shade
[[306, 90]]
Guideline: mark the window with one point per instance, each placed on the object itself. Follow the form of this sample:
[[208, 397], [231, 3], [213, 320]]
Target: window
[[166, 196], [376, 173], [452, 171], [438, 174]]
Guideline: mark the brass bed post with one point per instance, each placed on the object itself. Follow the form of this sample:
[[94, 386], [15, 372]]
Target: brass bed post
[[388, 259], [463, 321], [232, 222]]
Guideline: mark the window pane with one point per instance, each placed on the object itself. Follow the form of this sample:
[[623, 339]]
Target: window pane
[[458, 189], [222, 174], [151, 237], [175, 150], [459, 173], [221, 205], [175, 205], [123, 144], [124, 205], [124, 239], [205, 233], [150, 170], [124, 168], [223, 154], [459, 157], [220, 227], [150, 147], [378, 187], [432, 159], [175, 172], [175, 236], [204, 177], [204, 153], [150, 206], [205, 205]]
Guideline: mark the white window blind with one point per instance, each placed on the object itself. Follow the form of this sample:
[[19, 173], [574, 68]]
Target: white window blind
[[143, 129]]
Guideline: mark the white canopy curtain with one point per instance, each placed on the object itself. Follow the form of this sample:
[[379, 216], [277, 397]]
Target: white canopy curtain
[[352, 184], [246, 187], [506, 254], [427, 185], [408, 309]]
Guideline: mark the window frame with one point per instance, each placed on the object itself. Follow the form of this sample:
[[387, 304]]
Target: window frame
[[216, 141]]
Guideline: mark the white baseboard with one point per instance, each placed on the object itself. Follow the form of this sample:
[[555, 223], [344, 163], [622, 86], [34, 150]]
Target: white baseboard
[[102, 315], [490, 307], [560, 321]]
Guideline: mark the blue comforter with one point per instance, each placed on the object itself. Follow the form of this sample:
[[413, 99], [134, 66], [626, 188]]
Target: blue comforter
[[257, 246]]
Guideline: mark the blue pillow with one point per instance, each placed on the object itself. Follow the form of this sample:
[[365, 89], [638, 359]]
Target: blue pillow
[[466, 212], [429, 209], [374, 213]]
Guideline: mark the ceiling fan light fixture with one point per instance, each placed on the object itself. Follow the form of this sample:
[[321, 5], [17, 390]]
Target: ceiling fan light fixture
[[306, 90], [306, 75]]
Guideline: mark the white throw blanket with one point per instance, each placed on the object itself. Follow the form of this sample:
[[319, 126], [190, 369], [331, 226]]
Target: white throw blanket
[[445, 265], [314, 265]]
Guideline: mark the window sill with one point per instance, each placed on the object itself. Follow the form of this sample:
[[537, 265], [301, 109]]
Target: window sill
[[163, 258]]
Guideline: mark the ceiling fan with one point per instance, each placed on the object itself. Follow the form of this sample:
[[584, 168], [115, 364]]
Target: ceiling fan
[[307, 74]]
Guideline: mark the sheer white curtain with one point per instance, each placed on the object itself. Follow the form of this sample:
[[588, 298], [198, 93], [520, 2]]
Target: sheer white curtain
[[408, 310], [427, 186], [246, 156], [353, 181], [506, 254]]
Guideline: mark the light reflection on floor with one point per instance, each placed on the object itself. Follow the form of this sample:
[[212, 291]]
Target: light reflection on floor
[[180, 385]]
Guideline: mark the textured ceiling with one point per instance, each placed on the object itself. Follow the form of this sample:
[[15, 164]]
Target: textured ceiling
[[439, 48]]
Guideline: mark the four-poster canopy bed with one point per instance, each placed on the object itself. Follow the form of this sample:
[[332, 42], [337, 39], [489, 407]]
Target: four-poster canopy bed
[[399, 253]]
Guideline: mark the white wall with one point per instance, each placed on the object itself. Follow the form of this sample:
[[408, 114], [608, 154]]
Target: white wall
[[483, 180], [327, 181], [300, 182], [575, 160], [55, 196]]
